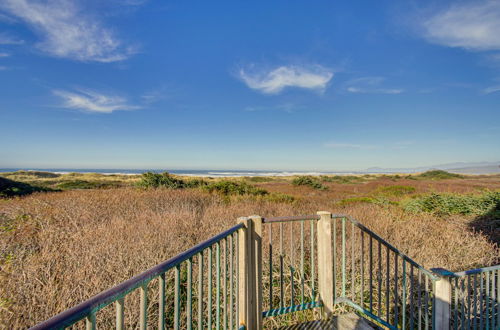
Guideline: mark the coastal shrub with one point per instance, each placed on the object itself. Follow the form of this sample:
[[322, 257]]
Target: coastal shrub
[[260, 179], [83, 184], [11, 188], [226, 187], [279, 198], [394, 191], [344, 179], [308, 181], [157, 180], [438, 175], [487, 203]]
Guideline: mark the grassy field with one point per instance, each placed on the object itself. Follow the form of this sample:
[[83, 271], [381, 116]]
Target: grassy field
[[59, 248]]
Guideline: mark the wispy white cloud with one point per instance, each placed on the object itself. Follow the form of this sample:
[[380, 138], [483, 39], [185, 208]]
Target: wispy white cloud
[[7, 39], [273, 81], [491, 89], [92, 101], [4, 54], [67, 31], [471, 25], [156, 95], [3, 68], [370, 85]]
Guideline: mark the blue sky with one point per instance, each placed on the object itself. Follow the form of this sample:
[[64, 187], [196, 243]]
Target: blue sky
[[292, 85]]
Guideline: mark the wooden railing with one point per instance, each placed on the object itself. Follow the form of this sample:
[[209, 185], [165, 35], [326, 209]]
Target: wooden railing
[[264, 268]]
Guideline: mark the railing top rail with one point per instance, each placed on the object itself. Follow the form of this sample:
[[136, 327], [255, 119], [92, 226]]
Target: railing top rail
[[477, 271], [101, 300], [390, 246], [291, 218]]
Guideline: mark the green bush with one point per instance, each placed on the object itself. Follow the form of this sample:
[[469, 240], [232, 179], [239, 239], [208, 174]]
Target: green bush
[[279, 198], [308, 181], [260, 179], [11, 188], [226, 187], [342, 179], [82, 184], [395, 191], [157, 180], [446, 204], [438, 175]]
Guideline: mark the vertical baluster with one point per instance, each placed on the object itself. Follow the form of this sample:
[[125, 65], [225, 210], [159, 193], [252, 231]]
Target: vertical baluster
[[343, 258], [396, 266], [231, 287], [177, 299], [487, 301], [462, 305], [362, 294], [210, 280], [120, 325], [419, 288], [379, 274], [387, 283], [456, 290], [90, 322], [481, 301], [270, 266], [200, 291], [412, 297], [352, 262], [404, 294], [189, 299], [292, 266], [161, 302], [426, 302], [144, 306], [371, 272], [469, 303], [237, 315], [282, 279], [302, 262], [311, 233], [217, 283], [334, 257], [498, 297], [474, 320], [224, 279], [493, 302]]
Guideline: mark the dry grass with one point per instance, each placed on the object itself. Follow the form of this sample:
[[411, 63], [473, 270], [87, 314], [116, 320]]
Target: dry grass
[[58, 249]]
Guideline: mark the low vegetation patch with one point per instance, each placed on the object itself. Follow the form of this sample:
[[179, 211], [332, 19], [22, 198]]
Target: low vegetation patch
[[83, 184], [394, 191], [345, 179], [438, 175], [11, 188], [487, 203], [307, 180]]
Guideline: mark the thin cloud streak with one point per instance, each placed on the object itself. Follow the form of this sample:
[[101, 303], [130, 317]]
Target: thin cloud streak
[[7, 39], [472, 26], [274, 81], [66, 31], [366, 85], [491, 89], [92, 101]]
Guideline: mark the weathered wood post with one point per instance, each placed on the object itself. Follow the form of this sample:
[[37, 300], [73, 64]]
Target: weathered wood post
[[250, 272], [325, 262], [257, 261], [244, 273], [442, 299]]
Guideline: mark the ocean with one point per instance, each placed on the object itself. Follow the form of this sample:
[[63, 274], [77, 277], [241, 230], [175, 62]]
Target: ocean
[[198, 173]]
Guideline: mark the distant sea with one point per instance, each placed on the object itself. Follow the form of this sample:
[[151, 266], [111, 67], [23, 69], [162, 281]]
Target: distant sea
[[199, 173]]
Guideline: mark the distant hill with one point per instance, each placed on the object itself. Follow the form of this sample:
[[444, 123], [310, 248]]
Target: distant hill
[[461, 167]]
